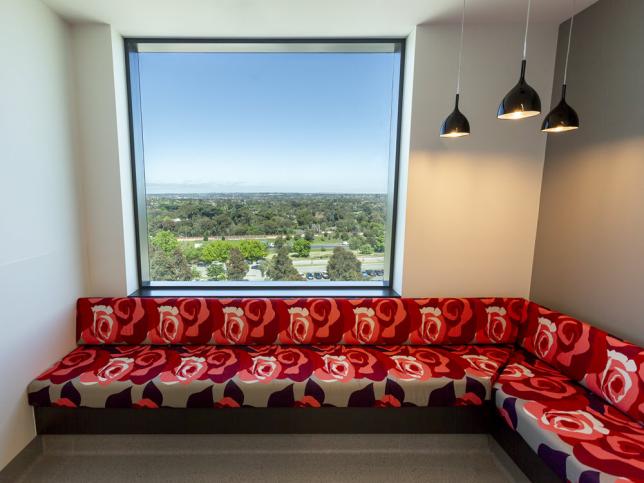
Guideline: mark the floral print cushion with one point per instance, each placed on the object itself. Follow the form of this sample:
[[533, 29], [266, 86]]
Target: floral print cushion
[[148, 376], [578, 435], [303, 321], [610, 368]]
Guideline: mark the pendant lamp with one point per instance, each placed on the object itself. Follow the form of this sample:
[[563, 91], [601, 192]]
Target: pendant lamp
[[456, 125], [563, 117], [522, 101]]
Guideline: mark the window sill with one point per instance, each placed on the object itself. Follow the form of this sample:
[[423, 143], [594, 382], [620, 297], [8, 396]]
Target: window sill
[[333, 292]]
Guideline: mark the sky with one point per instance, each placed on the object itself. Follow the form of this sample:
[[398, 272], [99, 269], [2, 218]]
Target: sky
[[268, 122]]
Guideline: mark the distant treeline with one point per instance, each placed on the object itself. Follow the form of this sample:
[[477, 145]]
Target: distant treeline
[[349, 217]]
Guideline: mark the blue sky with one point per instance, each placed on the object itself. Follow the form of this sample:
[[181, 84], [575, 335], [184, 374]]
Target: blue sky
[[270, 122]]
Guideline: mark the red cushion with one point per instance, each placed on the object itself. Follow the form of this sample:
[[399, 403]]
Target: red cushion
[[611, 368], [299, 321], [270, 375], [577, 434]]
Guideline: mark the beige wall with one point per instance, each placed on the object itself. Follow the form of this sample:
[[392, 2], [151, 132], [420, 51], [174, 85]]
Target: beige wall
[[589, 256], [41, 255], [472, 203]]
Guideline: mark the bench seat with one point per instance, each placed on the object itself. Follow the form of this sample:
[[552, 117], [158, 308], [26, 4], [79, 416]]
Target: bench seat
[[186, 376], [575, 432]]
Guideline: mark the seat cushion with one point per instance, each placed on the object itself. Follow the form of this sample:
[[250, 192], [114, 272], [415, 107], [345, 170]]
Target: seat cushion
[[270, 375], [579, 435]]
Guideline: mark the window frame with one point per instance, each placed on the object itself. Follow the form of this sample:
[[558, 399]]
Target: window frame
[[148, 287]]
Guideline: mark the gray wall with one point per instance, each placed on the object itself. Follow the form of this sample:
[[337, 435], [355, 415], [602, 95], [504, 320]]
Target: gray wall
[[589, 253]]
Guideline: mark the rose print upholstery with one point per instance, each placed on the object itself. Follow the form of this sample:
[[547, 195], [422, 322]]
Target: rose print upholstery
[[270, 375], [385, 321], [610, 368], [574, 393], [578, 434]]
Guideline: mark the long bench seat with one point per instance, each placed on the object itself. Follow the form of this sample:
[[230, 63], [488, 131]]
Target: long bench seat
[[569, 392], [191, 376]]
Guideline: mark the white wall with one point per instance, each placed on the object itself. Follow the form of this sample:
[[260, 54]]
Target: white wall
[[105, 159], [403, 167], [472, 203], [41, 254]]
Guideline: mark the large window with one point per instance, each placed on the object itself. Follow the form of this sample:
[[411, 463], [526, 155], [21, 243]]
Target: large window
[[265, 163]]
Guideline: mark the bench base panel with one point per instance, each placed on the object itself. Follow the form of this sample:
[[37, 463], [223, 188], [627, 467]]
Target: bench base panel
[[459, 420]]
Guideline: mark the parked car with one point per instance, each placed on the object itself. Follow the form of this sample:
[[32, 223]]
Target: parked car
[[309, 276], [318, 275], [325, 275]]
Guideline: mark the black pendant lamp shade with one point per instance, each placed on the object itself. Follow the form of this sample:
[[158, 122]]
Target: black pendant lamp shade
[[456, 125], [522, 101], [562, 118]]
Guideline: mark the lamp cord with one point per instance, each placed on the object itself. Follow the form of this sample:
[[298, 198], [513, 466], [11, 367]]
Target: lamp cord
[[460, 52], [525, 37], [572, 21]]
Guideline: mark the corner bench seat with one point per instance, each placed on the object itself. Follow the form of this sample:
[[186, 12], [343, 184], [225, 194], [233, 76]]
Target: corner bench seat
[[187, 376], [566, 390], [576, 433], [575, 394]]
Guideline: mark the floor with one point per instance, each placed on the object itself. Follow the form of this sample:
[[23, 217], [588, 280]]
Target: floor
[[266, 458]]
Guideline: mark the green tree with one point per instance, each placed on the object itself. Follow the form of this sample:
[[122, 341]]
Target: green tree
[[302, 247], [281, 267], [216, 251], [379, 243], [236, 266], [253, 250], [192, 253], [308, 235], [169, 265], [356, 242], [166, 241], [344, 266], [195, 274], [279, 242], [216, 271], [366, 249]]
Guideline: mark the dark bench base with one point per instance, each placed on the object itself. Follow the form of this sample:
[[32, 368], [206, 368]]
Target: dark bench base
[[467, 419], [522, 455]]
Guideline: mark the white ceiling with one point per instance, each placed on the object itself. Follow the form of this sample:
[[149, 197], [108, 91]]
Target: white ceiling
[[298, 18]]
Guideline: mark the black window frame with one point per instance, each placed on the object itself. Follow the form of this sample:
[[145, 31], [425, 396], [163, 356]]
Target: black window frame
[[244, 288]]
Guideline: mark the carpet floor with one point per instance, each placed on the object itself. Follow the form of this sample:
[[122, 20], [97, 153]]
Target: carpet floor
[[263, 458]]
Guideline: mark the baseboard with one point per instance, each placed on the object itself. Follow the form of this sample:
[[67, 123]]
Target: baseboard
[[440, 420]]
